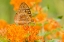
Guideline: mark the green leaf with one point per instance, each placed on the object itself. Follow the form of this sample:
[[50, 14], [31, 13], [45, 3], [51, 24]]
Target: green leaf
[[50, 32], [47, 33], [3, 39], [31, 24], [37, 41], [39, 24], [34, 14], [58, 37], [28, 35], [45, 9], [62, 28], [60, 17], [56, 30], [52, 40], [26, 40], [41, 32], [46, 22]]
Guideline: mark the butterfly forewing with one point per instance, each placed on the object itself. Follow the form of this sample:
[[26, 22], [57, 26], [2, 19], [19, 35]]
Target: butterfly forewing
[[23, 15]]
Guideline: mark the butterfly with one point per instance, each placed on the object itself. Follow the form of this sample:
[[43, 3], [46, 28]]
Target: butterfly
[[23, 15]]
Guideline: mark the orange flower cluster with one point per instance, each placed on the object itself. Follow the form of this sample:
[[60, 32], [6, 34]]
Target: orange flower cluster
[[51, 24], [3, 28], [16, 3], [21, 33]]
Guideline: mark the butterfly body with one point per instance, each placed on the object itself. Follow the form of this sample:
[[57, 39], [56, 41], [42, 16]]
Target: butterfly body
[[23, 15]]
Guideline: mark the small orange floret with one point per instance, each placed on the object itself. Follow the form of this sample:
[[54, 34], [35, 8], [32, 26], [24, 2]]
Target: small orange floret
[[41, 16], [3, 24], [52, 24], [49, 37]]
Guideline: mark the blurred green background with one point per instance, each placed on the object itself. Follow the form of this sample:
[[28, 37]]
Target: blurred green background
[[55, 8], [6, 11]]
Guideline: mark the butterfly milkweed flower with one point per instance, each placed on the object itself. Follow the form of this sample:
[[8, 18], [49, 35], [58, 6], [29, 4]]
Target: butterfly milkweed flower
[[30, 3], [21, 33]]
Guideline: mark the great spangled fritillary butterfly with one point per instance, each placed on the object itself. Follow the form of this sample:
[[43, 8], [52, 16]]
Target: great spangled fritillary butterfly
[[23, 15]]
